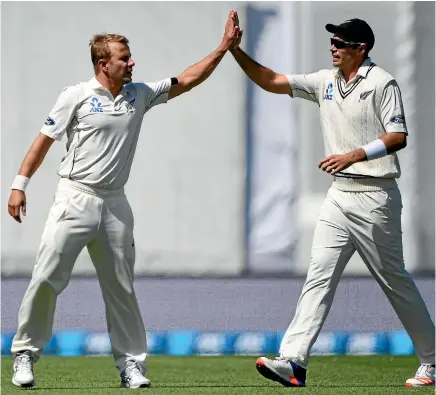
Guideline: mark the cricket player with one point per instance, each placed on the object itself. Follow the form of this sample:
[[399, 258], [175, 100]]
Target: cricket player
[[363, 126], [102, 119]]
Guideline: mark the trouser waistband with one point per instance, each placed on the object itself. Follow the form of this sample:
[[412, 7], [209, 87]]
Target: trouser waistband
[[66, 182], [364, 184]]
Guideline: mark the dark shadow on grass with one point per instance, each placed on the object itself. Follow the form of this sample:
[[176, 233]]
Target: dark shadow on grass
[[357, 386], [270, 386], [314, 387], [212, 386], [65, 388], [151, 388]]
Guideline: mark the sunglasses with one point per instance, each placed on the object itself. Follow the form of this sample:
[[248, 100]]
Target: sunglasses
[[339, 44]]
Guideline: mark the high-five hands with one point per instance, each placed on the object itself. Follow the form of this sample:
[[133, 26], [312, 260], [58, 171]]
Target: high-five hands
[[232, 33], [239, 38]]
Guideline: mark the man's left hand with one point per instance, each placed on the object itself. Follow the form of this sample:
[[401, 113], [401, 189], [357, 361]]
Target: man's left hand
[[335, 163], [232, 30]]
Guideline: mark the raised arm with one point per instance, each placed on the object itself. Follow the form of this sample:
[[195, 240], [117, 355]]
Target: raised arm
[[31, 163], [263, 76], [199, 72]]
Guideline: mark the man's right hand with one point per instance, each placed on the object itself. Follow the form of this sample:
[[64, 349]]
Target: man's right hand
[[262, 76], [17, 201], [231, 32], [237, 42]]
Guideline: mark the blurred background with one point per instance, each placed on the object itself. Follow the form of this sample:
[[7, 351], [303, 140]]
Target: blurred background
[[225, 186]]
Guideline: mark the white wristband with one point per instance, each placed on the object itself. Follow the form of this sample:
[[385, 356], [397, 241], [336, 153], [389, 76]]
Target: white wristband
[[20, 183], [375, 149]]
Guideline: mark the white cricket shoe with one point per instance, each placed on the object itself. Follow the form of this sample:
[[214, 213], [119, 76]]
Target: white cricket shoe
[[131, 377], [424, 377], [23, 370], [282, 370]]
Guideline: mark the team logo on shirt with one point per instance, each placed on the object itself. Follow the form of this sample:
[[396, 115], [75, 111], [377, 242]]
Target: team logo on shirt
[[397, 119], [49, 121], [364, 95], [329, 92], [130, 108], [95, 105]]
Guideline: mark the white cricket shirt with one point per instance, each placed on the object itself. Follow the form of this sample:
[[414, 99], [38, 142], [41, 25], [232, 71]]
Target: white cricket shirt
[[355, 113], [102, 131]]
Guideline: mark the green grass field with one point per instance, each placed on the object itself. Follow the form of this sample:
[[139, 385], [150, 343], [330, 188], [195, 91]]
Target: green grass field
[[219, 375]]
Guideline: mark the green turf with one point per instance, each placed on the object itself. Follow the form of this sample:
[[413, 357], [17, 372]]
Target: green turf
[[219, 375]]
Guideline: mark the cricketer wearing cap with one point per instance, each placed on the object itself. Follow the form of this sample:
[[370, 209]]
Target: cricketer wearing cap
[[363, 126], [101, 119]]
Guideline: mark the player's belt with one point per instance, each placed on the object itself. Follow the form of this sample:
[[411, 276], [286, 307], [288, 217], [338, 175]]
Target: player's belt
[[353, 175]]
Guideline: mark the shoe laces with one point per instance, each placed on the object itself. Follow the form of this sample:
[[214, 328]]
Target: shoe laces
[[131, 371], [297, 369], [23, 362], [423, 371]]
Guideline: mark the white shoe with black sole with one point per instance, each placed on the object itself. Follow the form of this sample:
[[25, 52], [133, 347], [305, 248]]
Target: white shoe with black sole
[[282, 370]]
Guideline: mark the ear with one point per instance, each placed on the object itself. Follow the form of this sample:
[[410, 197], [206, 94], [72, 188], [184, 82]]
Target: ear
[[102, 64], [362, 47]]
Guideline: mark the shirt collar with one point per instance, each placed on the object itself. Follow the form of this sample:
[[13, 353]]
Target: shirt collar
[[363, 69], [94, 84]]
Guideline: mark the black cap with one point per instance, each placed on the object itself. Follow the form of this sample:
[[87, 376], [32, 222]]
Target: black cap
[[354, 30]]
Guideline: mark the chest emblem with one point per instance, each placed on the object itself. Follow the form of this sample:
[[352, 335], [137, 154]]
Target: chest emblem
[[95, 105], [328, 95], [364, 95]]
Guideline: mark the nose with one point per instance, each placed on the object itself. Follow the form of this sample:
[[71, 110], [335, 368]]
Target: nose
[[131, 63]]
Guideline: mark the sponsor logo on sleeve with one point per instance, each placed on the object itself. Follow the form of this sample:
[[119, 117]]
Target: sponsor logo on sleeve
[[397, 119], [49, 121]]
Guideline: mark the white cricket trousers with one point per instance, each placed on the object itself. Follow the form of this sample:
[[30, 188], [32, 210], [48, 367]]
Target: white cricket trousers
[[369, 222], [103, 221]]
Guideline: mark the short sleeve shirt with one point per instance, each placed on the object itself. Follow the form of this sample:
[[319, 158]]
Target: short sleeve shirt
[[102, 131]]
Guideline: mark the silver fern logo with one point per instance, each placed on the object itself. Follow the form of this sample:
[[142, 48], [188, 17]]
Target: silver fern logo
[[364, 95]]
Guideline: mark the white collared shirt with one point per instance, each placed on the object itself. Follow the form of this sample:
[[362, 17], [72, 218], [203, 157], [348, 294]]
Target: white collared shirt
[[102, 131], [355, 113]]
